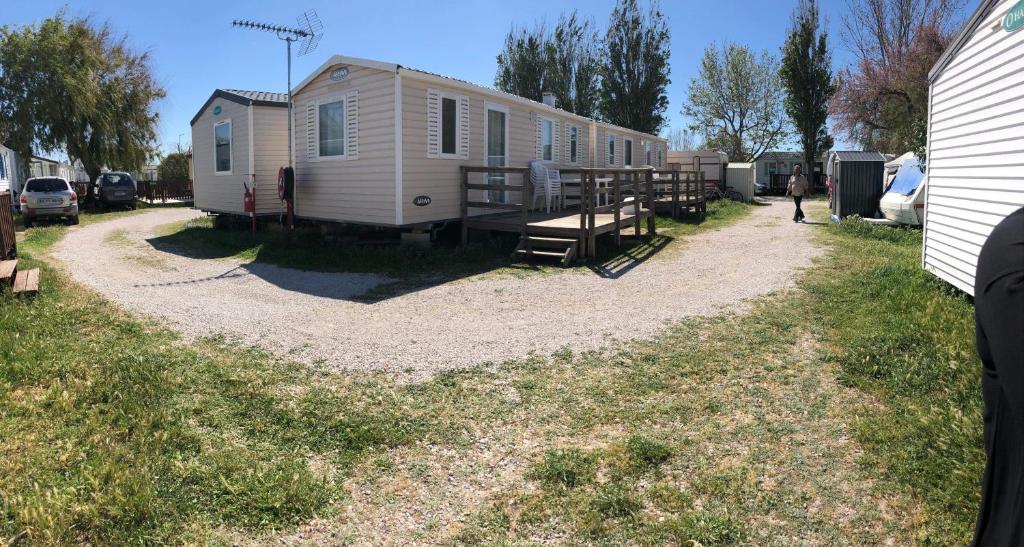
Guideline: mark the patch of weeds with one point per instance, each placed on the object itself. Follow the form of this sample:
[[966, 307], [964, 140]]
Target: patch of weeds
[[646, 454], [614, 500], [568, 468], [702, 528], [666, 497]]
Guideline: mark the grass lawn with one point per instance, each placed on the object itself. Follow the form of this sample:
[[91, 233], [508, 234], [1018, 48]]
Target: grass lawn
[[313, 250], [847, 413]]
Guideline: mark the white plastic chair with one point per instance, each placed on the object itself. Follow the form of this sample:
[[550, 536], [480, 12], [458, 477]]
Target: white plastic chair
[[539, 180], [555, 189]]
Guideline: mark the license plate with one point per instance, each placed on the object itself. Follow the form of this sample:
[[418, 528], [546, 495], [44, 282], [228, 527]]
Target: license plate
[[121, 194], [49, 201]]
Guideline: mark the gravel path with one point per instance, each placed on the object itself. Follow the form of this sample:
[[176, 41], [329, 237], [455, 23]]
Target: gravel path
[[314, 316]]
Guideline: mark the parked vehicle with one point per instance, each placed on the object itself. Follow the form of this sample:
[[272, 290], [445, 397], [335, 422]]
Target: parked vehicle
[[116, 189], [48, 197]]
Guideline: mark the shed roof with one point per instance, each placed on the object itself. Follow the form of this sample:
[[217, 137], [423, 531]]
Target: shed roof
[[244, 98], [852, 155]]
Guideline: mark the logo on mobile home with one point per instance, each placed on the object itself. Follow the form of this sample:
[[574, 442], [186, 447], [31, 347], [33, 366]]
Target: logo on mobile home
[[421, 201], [1015, 18], [339, 74]]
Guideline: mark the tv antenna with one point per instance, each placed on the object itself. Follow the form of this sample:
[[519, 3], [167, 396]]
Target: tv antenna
[[309, 31]]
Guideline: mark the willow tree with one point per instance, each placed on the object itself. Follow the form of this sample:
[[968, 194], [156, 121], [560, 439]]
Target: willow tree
[[71, 85]]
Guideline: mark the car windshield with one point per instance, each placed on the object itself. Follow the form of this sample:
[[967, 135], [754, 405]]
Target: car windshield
[[46, 185], [115, 180]]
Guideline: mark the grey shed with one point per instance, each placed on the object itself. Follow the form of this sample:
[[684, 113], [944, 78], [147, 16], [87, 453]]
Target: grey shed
[[857, 182]]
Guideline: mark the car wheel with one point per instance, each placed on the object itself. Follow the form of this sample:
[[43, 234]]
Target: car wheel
[[28, 222], [73, 220]]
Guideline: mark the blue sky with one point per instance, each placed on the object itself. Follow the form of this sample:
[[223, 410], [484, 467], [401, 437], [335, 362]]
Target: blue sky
[[195, 50]]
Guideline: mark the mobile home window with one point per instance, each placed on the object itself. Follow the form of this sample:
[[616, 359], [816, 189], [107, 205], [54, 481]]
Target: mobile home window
[[647, 153], [3, 167], [222, 147], [611, 149], [629, 152], [574, 135], [449, 125], [661, 157], [331, 134], [547, 140]]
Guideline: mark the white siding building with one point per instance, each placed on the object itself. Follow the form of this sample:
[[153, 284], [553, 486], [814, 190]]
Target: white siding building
[[975, 159]]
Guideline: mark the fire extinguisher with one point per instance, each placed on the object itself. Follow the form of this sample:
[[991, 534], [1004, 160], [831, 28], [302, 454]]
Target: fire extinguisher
[[286, 191], [249, 202]]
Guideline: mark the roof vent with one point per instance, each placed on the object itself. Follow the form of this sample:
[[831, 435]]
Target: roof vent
[[548, 98]]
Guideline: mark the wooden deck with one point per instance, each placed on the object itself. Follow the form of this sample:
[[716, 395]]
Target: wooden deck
[[599, 201], [555, 224]]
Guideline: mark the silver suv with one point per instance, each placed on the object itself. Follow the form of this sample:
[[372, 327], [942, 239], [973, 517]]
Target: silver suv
[[48, 197]]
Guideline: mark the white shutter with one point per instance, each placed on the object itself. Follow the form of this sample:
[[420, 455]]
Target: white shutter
[[566, 142], [311, 132], [464, 127], [556, 140], [433, 123], [540, 137], [620, 149], [352, 125]]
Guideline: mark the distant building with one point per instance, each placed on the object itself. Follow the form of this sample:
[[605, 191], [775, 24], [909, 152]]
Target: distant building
[[774, 168]]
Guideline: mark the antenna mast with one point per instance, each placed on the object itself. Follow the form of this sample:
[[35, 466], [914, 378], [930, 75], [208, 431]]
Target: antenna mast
[[309, 30]]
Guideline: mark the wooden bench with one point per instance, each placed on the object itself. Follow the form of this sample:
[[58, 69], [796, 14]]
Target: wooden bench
[[26, 282]]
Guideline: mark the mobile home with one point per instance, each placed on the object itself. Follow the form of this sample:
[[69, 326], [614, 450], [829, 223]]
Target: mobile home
[[711, 162], [378, 143], [238, 138], [974, 173], [774, 168], [12, 175]]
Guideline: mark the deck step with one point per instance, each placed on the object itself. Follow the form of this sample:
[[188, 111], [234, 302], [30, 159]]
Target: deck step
[[550, 242], [7, 270], [537, 252], [26, 283]]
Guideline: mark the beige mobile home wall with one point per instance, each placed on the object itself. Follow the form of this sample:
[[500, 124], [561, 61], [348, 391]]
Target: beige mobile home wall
[[975, 155], [270, 147], [213, 192], [601, 132], [358, 190], [439, 178]]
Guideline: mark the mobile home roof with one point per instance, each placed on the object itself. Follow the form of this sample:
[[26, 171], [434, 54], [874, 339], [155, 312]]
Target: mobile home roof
[[245, 98], [962, 37], [444, 80]]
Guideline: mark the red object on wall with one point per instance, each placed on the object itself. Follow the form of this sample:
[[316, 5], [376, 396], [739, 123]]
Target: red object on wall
[[248, 203]]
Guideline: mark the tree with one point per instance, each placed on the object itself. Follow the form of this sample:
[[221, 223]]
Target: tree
[[736, 102], [807, 76], [682, 139], [522, 64], [572, 62], [564, 62], [635, 72], [881, 101], [174, 167], [71, 85]]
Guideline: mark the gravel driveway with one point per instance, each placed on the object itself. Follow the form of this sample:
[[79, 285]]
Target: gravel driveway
[[315, 318]]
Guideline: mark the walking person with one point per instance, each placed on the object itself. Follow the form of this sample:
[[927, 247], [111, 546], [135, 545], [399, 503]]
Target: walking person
[[999, 321], [797, 188]]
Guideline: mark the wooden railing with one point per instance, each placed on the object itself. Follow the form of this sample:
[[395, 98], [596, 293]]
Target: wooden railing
[[150, 190], [617, 188], [8, 239], [525, 191]]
